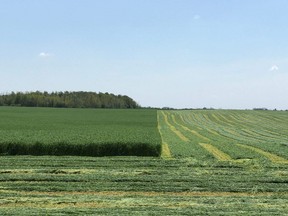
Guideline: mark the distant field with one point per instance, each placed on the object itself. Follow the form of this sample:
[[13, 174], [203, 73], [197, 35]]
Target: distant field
[[213, 162], [90, 132], [226, 135]]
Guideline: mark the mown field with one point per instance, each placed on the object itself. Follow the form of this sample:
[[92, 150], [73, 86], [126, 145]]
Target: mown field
[[216, 162], [226, 135]]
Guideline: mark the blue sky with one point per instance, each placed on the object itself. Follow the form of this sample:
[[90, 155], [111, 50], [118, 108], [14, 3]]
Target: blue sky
[[177, 53]]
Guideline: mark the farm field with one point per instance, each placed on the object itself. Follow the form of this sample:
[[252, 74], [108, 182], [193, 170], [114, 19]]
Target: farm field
[[51, 185], [213, 162], [90, 132], [226, 135]]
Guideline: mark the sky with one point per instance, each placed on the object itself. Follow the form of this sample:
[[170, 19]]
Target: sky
[[228, 54]]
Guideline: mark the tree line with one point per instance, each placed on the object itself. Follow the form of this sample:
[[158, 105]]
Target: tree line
[[74, 99]]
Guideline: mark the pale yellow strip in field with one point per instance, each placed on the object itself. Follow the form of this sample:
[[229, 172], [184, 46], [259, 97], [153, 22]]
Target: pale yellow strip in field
[[212, 131], [121, 199], [182, 118], [216, 152], [271, 132], [141, 193], [274, 158], [172, 128], [165, 153], [198, 121], [231, 132], [188, 129], [225, 121], [216, 117], [251, 132]]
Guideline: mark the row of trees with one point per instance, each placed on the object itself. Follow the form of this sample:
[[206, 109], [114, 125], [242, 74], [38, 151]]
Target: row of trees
[[67, 99]]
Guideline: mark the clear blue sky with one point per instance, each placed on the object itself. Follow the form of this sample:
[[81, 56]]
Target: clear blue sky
[[176, 53]]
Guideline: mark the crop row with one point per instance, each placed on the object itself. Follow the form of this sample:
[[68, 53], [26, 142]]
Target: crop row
[[138, 186], [227, 132]]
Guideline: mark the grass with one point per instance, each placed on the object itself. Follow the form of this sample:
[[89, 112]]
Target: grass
[[140, 186], [88, 132], [216, 152], [262, 134], [232, 163]]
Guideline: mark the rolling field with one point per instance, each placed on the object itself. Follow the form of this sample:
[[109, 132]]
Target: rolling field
[[213, 162], [226, 135]]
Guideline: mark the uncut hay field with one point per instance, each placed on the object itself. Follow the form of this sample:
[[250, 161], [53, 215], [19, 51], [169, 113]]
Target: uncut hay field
[[188, 162]]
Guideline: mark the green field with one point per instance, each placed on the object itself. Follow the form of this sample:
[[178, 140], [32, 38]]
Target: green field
[[213, 162], [88, 132], [226, 135]]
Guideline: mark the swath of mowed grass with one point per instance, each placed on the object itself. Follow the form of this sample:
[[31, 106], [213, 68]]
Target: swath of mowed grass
[[51, 185], [90, 132], [216, 134]]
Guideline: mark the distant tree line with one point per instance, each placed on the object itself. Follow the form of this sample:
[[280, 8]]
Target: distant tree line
[[261, 108], [79, 99]]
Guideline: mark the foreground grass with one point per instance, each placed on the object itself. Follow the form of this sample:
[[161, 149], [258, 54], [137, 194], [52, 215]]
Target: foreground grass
[[44, 185]]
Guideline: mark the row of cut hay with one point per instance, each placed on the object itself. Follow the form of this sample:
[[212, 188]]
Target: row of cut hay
[[188, 129], [173, 129], [274, 158], [92, 149], [216, 152], [224, 138]]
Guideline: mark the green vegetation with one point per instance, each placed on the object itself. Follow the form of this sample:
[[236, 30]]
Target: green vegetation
[[67, 100], [226, 134], [214, 162], [90, 132], [42, 185]]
